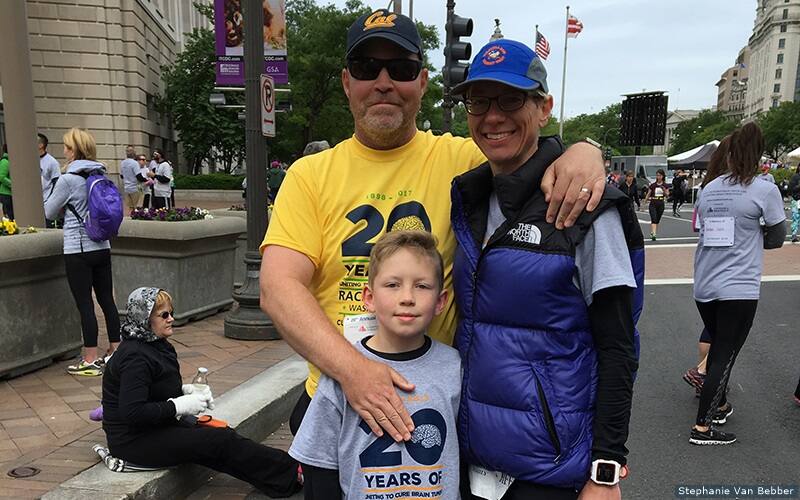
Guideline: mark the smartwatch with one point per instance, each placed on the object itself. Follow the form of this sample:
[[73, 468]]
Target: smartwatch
[[605, 472]]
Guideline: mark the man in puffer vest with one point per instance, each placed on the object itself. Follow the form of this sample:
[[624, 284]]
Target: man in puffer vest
[[547, 330]]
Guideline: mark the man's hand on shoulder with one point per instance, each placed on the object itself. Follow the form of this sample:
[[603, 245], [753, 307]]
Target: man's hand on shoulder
[[370, 390], [594, 491], [576, 180]]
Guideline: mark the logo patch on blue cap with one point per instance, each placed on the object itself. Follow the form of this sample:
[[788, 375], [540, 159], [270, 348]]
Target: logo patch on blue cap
[[494, 55]]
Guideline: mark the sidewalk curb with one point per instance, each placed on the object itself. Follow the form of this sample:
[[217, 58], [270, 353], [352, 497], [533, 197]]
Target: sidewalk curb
[[255, 409]]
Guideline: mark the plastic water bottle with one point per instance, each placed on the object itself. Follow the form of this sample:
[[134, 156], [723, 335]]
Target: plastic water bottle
[[200, 380]]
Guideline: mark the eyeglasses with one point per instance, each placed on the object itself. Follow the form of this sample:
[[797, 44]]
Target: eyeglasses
[[166, 314], [478, 105], [368, 68], [141, 159]]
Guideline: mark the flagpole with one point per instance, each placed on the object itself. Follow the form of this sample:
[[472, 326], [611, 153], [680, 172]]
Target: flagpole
[[536, 38], [563, 78]]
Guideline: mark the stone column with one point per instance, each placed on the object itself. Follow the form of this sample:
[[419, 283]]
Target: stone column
[[18, 105]]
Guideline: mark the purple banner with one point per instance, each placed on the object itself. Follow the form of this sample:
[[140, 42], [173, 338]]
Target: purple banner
[[229, 35]]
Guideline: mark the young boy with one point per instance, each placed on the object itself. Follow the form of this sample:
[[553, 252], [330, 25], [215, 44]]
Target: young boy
[[342, 458]]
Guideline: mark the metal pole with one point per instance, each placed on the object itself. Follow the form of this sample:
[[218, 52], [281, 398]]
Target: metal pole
[[447, 100], [248, 321], [563, 78], [411, 9], [18, 104], [398, 6]]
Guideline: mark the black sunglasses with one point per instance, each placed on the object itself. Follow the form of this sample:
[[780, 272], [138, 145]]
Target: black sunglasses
[[479, 105], [166, 314], [368, 68]]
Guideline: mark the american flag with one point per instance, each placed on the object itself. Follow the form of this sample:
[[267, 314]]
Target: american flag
[[542, 46], [573, 27]]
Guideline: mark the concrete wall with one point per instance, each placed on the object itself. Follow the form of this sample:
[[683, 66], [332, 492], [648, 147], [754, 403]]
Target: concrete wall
[[193, 261], [38, 317]]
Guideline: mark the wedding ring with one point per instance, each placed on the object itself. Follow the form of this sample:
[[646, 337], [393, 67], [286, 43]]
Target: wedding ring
[[585, 190]]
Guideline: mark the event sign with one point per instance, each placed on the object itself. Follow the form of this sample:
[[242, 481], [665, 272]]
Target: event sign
[[229, 33]]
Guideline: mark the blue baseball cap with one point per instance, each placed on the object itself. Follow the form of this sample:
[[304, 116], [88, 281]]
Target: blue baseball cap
[[509, 62]]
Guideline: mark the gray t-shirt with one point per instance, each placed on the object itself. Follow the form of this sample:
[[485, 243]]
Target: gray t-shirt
[[50, 170], [333, 435], [601, 259], [729, 217], [128, 169]]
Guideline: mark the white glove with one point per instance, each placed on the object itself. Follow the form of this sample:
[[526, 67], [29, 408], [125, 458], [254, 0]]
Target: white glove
[[190, 404], [189, 389]]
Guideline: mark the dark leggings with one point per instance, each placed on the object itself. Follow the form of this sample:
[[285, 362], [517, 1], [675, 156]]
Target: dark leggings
[[677, 199], [728, 323], [270, 470], [656, 210], [93, 270], [161, 202], [8, 206]]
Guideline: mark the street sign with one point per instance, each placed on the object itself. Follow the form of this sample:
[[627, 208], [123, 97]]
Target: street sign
[[267, 106]]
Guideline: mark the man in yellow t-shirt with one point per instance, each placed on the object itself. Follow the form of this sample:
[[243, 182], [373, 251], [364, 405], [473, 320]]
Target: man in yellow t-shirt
[[335, 204]]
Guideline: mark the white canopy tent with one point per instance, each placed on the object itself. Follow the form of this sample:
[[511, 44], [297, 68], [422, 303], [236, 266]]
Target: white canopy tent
[[794, 154]]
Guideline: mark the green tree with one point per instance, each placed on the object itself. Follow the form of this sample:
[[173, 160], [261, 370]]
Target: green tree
[[206, 133], [707, 126], [781, 128]]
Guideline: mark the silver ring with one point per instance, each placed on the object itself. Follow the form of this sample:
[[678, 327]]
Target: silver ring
[[585, 190]]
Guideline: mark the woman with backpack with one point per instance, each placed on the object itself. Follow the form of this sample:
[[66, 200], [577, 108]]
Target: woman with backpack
[[88, 262]]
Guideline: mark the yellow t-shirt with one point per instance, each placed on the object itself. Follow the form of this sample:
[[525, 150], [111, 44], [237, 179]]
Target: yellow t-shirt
[[334, 205]]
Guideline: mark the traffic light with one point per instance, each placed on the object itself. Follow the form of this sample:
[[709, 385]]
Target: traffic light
[[455, 50], [608, 153]]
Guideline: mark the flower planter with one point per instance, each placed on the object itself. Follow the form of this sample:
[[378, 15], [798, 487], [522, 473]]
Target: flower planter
[[39, 321], [239, 268], [193, 261]]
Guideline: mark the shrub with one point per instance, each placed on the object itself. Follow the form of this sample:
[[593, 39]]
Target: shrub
[[208, 181]]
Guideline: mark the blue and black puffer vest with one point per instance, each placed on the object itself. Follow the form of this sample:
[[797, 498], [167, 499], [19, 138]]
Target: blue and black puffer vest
[[530, 368]]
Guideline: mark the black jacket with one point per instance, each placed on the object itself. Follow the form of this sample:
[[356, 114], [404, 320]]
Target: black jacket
[[632, 192], [139, 379]]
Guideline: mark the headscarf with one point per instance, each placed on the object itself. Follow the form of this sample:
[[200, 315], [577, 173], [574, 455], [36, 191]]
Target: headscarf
[[137, 322]]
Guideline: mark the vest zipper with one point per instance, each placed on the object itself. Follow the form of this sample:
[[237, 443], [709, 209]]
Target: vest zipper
[[548, 420]]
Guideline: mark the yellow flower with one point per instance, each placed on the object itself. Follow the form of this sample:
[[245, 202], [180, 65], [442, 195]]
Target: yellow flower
[[9, 226]]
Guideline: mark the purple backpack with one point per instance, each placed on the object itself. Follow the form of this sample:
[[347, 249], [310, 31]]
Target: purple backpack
[[104, 214]]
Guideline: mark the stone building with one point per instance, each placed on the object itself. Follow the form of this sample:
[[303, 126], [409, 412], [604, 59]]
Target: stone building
[[96, 65], [774, 72], [732, 87]]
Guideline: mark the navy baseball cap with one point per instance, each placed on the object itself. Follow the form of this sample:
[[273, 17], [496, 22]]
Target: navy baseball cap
[[381, 23], [509, 62]]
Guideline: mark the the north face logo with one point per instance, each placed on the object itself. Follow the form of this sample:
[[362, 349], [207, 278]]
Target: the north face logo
[[526, 233]]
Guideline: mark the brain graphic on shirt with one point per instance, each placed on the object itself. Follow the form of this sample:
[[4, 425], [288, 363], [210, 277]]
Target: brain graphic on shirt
[[427, 436], [409, 223]]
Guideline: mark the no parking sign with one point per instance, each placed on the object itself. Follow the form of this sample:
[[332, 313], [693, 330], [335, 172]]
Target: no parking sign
[[267, 106]]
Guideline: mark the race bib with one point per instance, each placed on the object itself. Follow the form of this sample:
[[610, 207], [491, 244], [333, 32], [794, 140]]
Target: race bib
[[718, 231], [357, 327], [488, 484]]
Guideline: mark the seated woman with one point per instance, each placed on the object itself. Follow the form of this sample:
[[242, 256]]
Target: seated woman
[[143, 402]]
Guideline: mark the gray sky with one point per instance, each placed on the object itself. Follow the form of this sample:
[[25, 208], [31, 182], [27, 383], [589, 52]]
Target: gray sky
[[679, 46]]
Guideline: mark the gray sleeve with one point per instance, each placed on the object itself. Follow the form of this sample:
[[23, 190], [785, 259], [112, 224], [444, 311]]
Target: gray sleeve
[[317, 440], [602, 259], [57, 198]]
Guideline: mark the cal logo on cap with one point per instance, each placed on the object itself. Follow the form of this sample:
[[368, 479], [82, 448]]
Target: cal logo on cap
[[494, 55], [379, 19]]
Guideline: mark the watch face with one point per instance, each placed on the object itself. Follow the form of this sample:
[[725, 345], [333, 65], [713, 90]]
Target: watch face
[[605, 473]]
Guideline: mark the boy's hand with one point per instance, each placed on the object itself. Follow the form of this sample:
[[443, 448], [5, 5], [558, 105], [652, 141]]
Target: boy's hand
[[575, 180], [594, 491], [370, 390]]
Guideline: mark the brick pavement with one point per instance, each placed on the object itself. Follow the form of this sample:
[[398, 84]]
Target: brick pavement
[[44, 418], [668, 262]]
